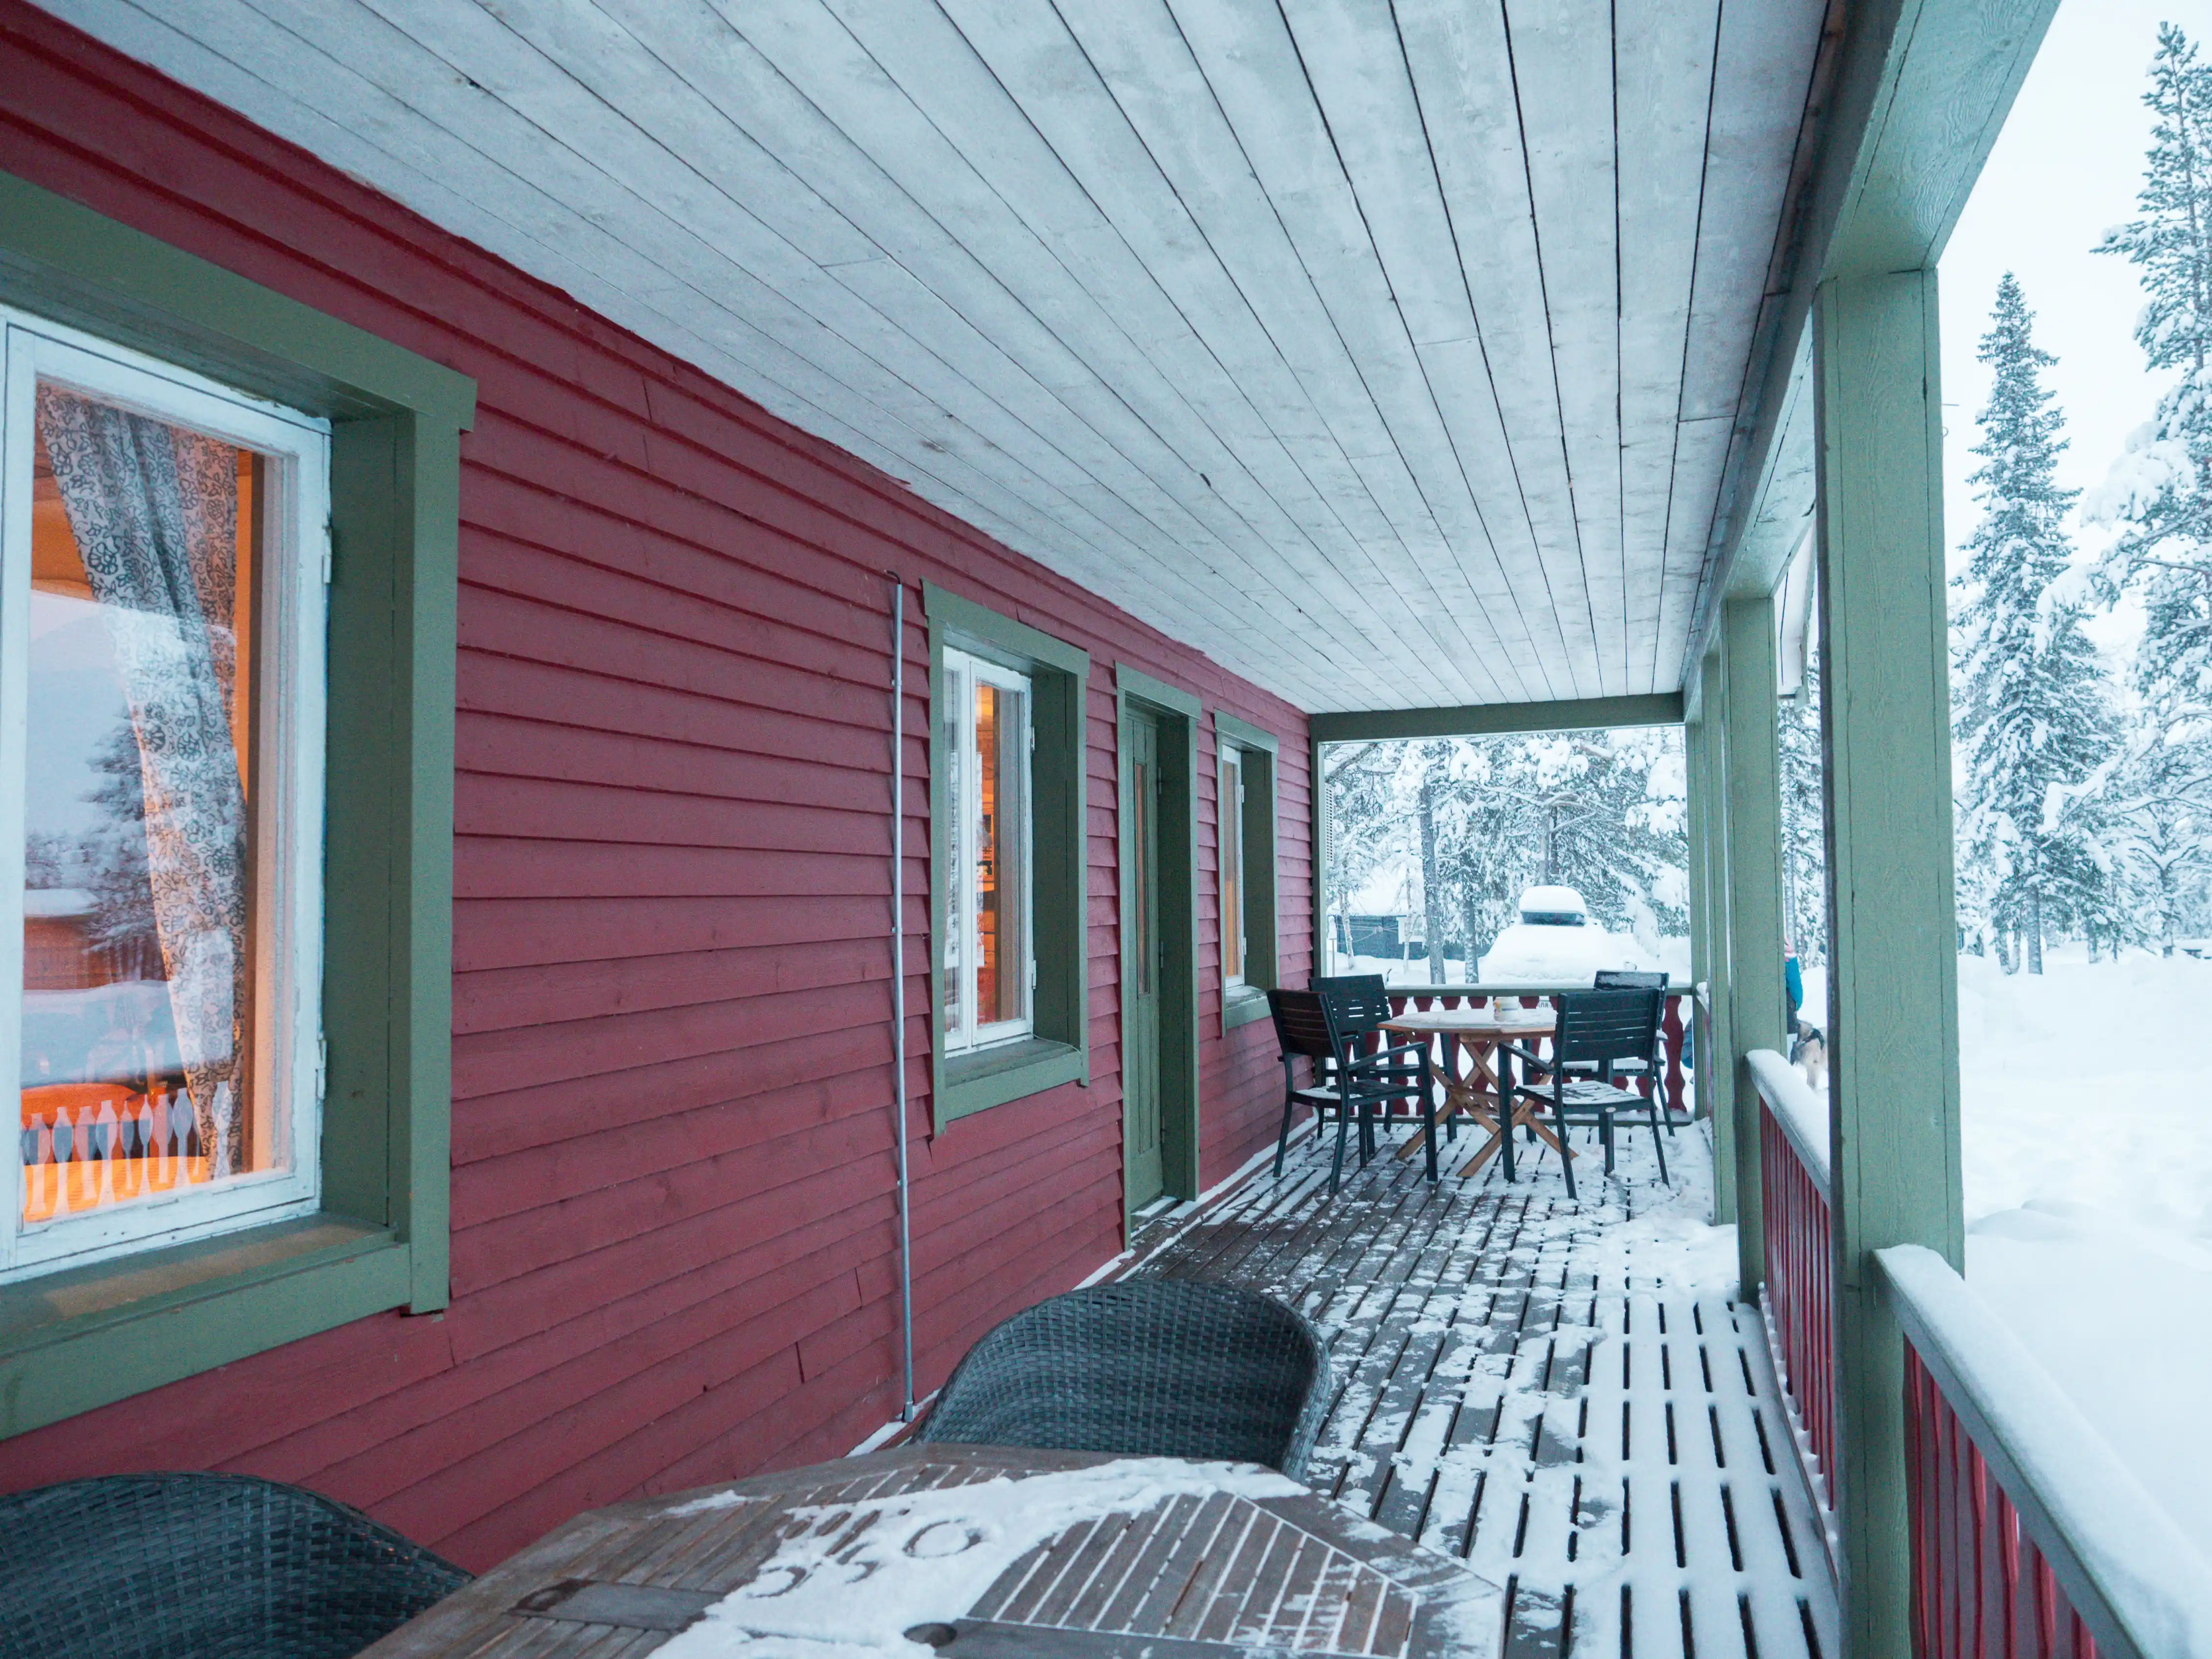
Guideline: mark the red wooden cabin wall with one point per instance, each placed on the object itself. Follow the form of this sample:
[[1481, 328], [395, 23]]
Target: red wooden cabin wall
[[672, 1170]]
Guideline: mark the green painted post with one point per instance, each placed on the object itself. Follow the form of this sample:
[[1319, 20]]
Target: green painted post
[[1717, 1061], [1694, 826], [1759, 1004], [1892, 970]]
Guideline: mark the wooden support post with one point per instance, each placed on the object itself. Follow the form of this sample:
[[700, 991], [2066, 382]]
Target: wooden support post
[[1759, 1004], [1716, 1045], [1696, 824], [1893, 970]]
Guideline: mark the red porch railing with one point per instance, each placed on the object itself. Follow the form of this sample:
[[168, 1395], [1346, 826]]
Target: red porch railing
[[1799, 1296], [2030, 1539]]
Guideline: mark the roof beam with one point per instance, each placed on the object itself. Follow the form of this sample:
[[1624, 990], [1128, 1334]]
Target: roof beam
[[1498, 719], [1918, 92]]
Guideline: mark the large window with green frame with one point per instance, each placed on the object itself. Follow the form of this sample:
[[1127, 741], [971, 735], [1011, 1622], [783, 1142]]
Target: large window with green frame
[[284, 1167], [1244, 803], [1006, 871]]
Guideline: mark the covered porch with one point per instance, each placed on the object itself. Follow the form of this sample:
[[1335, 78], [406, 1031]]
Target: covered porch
[[1423, 371]]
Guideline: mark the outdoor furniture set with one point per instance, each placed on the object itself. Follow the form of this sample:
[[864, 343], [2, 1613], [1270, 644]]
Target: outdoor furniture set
[[1108, 1470], [1601, 1039]]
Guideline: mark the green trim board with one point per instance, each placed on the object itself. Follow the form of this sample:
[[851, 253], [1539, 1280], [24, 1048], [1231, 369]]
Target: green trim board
[[1716, 1045], [1759, 1004], [67, 262], [1178, 713], [82, 1338], [1323, 957], [1242, 1005], [86, 1338], [1167, 699], [1060, 1051], [1498, 719], [1920, 91]]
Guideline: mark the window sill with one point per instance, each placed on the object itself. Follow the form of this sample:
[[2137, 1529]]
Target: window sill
[[975, 1082], [1241, 1005], [87, 1336]]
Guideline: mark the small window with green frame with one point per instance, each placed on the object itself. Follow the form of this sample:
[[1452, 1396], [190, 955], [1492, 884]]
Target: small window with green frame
[[1006, 885], [1245, 758]]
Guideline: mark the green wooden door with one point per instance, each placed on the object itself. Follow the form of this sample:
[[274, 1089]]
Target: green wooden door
[[1140, 1020]]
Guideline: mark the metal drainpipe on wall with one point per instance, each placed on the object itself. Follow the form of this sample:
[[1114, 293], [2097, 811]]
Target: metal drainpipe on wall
[[898, 983]]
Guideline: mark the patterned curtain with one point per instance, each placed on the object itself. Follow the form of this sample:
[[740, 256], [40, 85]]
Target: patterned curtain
[[154, 511]]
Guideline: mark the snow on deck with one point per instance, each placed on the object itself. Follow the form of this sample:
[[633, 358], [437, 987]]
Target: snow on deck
[[1570, 1399]]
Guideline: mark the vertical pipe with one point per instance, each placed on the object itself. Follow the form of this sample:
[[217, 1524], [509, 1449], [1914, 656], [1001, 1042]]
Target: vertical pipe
[[898, 987]]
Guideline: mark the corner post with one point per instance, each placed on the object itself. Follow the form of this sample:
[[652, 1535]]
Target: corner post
[[1757, 1001], [1893, 975], [1695, 825], [1716, 1044]]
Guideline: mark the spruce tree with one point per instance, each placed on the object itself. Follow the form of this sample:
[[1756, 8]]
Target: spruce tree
[[1804, 835], [2162, 490], [2162, 825], [2030, 716]]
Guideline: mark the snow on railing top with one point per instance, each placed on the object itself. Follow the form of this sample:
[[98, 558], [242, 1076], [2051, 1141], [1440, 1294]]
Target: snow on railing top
[[1507, 989], [2137, 1581], [1803, 1114]]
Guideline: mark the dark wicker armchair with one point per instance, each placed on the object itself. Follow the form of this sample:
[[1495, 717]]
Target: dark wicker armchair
[[1159, 1367], [202, 1567]]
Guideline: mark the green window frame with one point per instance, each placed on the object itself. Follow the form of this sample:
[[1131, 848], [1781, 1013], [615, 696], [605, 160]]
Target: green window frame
[[1243, 1003], [1057, 1049], [76, 1339]]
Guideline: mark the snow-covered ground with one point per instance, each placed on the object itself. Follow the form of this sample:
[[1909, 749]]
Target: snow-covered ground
[[2086, 1130], [2087, 1124]]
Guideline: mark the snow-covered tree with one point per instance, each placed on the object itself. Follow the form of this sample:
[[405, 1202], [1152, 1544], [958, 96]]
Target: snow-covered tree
[[1804, 834], [2161, 490], [2162, 836], [2031, 715], [1462, 826]]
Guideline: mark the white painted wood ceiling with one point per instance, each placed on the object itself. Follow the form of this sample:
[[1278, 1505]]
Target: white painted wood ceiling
[[1388, 353]]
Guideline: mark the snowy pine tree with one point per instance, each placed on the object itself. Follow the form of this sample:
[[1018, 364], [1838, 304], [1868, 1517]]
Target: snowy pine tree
[[2162, 837], [2031, 707], [1804, 844], [2161, 490], [1460, 827]]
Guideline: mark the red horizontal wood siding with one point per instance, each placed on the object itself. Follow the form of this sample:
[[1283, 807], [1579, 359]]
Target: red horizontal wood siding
[[672, 1184]]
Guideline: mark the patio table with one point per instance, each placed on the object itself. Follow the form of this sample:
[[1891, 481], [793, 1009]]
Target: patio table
[[973, 1552], [1475, 1094]]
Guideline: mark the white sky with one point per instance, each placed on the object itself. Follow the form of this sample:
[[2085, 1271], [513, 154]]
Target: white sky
[[2065, 169]]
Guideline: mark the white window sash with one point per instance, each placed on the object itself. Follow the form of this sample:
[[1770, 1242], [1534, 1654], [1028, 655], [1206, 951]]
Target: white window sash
[[963, 1031], [288, 810]]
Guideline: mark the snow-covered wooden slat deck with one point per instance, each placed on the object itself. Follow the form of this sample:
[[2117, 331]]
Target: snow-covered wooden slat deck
[[1536, 1387]]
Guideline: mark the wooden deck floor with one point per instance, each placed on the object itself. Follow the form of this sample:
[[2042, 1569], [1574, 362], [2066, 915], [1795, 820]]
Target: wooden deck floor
[[1541, 1387]]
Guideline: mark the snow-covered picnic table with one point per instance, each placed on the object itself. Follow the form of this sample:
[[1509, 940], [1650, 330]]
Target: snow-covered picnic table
[[971, 1551]]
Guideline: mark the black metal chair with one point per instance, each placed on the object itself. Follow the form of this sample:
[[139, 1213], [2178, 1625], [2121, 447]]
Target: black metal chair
[[1630, 979], [1596, 1031], [1147, 1368], [1302, 1033], [1355, 1007], [203, 1566]]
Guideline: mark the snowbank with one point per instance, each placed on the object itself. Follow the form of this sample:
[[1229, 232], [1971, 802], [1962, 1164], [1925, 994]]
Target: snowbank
[[2086, 1125]]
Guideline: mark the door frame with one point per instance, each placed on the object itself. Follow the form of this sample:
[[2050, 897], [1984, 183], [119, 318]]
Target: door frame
[[1178, 713]]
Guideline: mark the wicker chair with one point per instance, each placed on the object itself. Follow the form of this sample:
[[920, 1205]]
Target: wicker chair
[[1159, 1368], [202, 1567]]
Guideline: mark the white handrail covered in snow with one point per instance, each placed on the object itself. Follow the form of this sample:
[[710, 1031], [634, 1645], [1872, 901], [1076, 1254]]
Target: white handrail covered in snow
[[1803, 1114], [2138, 1583]]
